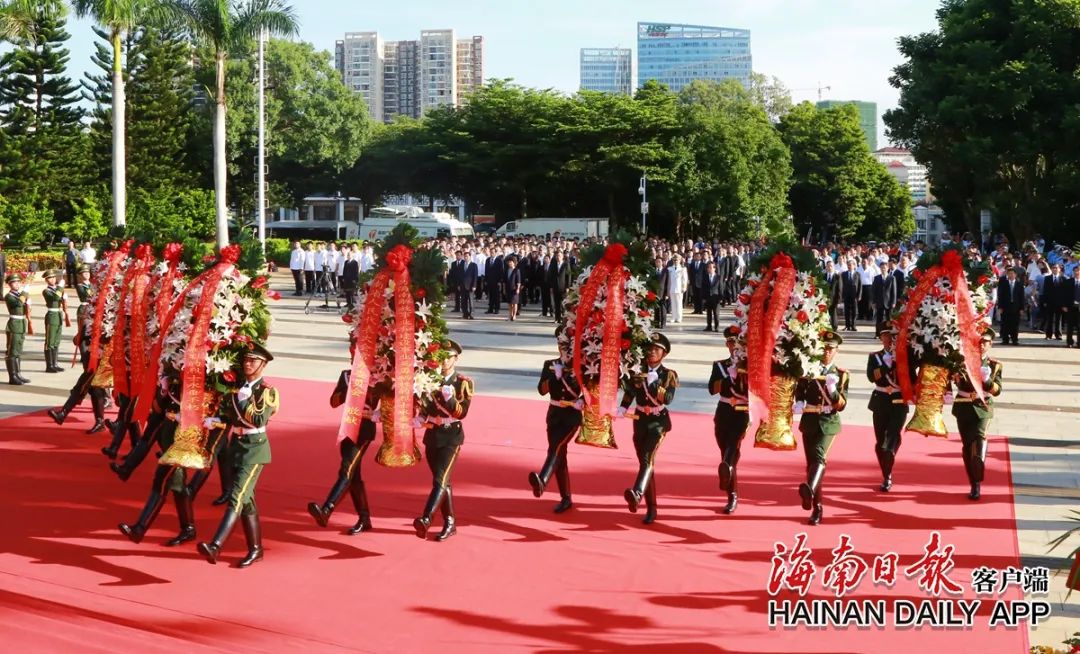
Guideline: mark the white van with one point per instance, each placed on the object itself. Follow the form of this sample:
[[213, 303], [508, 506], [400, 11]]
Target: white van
[[580, 228], [383, 220]]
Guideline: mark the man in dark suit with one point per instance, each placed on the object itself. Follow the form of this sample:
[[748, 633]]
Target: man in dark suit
[[494, 272], [851, 289], [833, 289], [468, 274], [1053, 302], [696, 272], [1072, 306], [453, 279], [884, 295], [661, 273], [710, 291], [723, 269], [558, 281], [1010, 299], [350, 277]]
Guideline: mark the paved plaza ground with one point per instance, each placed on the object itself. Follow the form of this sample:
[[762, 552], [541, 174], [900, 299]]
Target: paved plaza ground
[[1039, 410]]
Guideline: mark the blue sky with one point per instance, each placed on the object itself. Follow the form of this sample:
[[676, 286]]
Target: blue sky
[[849, 45]]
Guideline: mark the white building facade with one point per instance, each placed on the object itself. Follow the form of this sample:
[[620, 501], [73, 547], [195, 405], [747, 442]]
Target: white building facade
[[609, 70], [359, 58]]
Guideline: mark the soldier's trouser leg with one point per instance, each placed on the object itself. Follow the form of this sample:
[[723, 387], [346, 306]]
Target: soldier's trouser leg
[[350, 461], [973, 436], [138, 453], [558, 438], [647, 438], [198, 478], [75, 397], [226, 472], [729, 430], [120, 427], [441, 462], [162, 480], [241, 501], [816, 446]]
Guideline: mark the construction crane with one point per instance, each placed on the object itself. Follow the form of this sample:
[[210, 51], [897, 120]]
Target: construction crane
[[819, 88]]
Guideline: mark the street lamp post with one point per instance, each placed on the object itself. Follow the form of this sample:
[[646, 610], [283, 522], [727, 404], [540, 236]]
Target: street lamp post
[[644, 200], [260, 177]]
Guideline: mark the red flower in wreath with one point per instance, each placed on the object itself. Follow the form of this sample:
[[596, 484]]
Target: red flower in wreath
[[744, 298], [229, 376], [259, 282], [421, 293], [433, 348], [431, 364], [624, 344], [822, 307], [738, 313], [644, 313], [803, 316], [273, 295], [916, 273], [650, 296], [983, 279]]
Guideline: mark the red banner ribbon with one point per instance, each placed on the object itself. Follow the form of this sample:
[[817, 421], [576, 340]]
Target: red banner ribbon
[[763, 322], [115, 258], [609, 272]]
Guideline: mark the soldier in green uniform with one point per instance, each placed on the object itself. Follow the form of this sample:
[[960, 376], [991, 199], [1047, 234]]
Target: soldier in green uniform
[[441, 413], [85, 291], [247, 410], [652, 390], [18, 307], [820, 399], [352, 453], [886, 404], [728, 380], [55, 312], [973, 415], [563, 420]]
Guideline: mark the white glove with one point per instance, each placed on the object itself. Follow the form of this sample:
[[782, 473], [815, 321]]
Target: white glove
[[651, 377], [209, 423], [733, 373], [888, 359], [948, 398], [376, 416], [417, 422], [985, 372], [798, 407], [579, 405], [447, 392], [163, 383], [558, 368], [621, 413]]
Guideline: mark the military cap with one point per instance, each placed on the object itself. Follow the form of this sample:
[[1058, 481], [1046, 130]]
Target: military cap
[[988, 335], [13, 277], [258, 351], [452, 345], [53, 273], [661, 341], [731, 332], [831, 338]]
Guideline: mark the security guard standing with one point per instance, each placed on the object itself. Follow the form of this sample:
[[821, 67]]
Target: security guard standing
[[563, 420], [820, 400], [352, 454], [728, 380], [652, 390], [973, 415], [440, 414], [55, 312], [247, 410], [886, 404], [85, 291], [18, 307]]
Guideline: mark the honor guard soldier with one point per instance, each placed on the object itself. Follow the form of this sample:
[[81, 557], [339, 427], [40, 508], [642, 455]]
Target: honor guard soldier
[[652, 390], [886, 404], [55, 317], [973, 415], [728, 380], [820, 399], [18, 326], [440, 414], [247, 410], [85, 291], [557, 381], [352, 453]]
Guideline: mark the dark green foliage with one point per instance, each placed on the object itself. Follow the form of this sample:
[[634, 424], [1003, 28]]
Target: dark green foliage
[[800, 255]]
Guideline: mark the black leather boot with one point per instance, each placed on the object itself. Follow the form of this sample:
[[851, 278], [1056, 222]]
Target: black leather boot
[[732, 493], [449, 525], [539, 481], [650, 502], [18, 370], [186, 513], [253, 535], [132, 460], [97, 401], [886, 460], [61, 414], [51, 363], [359, 498], [322, 513], [422, 523], [633, 495], [13, 377], [195, 484], [225, 475], [149, 513], [723, 472], [212, 549], [808, 488], [562, 478]]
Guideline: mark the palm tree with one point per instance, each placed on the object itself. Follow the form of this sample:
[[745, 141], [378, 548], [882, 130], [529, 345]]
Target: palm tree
[[17, 18], [118, 18], [227, 26]]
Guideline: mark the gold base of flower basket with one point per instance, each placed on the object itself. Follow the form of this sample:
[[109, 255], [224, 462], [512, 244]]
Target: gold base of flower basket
[[386, 456], [103, 375], [596, 430], [775, 433], [929, 418], [188, 450]]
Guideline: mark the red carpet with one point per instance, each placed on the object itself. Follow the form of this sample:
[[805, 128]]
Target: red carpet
[[516, 578]]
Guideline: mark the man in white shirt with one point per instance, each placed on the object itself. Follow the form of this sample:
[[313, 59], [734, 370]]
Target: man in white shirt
[[480, 259], [296, 267], [309, 269], [367, 259], [88, 255], [678, 280], [867, 272]]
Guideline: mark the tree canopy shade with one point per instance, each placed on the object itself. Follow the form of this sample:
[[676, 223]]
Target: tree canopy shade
[[225, 27], [990, 102]]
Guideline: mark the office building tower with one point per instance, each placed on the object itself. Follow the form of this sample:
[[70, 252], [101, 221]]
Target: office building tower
[[360, 61], [867, 117], [607, 70], [676, 55], [901, 164], [470, 66]]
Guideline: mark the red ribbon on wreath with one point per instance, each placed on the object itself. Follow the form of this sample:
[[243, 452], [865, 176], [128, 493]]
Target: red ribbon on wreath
[[952, 269], [767, 306], [609, 272], [397, 271], [140, 300], [115, 258]]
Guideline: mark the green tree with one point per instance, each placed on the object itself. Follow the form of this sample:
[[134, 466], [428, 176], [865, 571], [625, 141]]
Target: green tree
[[771, 95], [225, 27], [88, 222], [990, 103], [26, 223], [835, 177], [167, 214], [16, 18]]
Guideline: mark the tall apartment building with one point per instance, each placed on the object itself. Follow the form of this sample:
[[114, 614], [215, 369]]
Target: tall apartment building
[[867, 117], [407, 78], [607, 69], [901, 164], [679, 54], [359, 58]]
